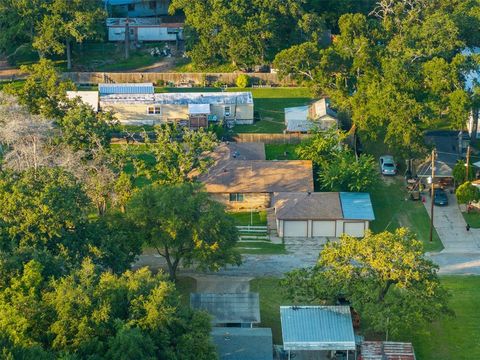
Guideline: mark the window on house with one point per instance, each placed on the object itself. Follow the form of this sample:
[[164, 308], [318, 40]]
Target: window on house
[[131, 7], [154, 110], [153, 4], [227, 110], [236, 197]]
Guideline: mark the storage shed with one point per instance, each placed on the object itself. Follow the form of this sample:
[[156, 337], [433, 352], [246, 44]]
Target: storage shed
[[322, 214], [243, 343], [317, 328], [305, 118], [238, 309]]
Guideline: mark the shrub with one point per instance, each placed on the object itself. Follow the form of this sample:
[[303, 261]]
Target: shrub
[[243, 81]]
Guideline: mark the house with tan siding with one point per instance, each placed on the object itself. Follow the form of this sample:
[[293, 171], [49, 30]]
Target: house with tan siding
[[242, 179]]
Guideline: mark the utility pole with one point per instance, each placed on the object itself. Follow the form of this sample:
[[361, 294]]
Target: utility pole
[[127, 38], [467, 165], [432, 192]]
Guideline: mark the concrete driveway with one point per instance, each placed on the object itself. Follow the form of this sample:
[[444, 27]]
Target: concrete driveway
[[461, 253], [451, 228]]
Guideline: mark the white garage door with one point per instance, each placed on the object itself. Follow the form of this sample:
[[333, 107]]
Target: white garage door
[[295, 228], [323, 228], [356, 229]]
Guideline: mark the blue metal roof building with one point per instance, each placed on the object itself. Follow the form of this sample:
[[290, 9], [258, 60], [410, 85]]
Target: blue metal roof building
[[317, 328], [356, 206], [127, 88]]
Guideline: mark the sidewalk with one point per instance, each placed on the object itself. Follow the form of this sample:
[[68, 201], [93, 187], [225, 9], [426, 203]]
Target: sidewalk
[[451, 228], [461, 253]]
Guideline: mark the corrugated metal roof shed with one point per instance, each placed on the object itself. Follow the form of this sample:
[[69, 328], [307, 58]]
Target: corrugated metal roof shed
[[126, 88], [243, 343], [317, 328], [238, 308], [356, 206]]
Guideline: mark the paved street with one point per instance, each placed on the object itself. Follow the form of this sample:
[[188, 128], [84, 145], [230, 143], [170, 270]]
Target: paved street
[[300, 253], [461, 254]]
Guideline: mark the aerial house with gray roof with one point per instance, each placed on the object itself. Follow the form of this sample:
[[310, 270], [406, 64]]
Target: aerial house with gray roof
[[190, 109]]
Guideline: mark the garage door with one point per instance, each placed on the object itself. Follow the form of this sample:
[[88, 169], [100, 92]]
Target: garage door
[[356, 229], [295, 228], [323, 228]]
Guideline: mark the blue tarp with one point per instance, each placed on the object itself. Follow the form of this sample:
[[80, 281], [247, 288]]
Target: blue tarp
[[356, 206]]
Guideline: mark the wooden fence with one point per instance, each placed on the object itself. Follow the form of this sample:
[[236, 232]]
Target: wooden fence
[[177, 79], [270, 138]]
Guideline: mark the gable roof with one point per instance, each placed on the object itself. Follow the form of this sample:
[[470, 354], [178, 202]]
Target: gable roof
[[308, 206], [243, 343], [356, 206], [317, 328], [259, 176], [323, 206], [228, 308]]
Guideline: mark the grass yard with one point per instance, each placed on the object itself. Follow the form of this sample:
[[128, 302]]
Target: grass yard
[[451, 338], [472, 218], [270, 104], [281, 151], [393, 211], [256, 218], [458, 337]]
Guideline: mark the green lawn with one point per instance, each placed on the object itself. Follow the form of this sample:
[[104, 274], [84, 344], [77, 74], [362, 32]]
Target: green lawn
[[458, 337], [281, 151], [472, 218], [450, 338], [270, 104], [256, 218], [393, 209]]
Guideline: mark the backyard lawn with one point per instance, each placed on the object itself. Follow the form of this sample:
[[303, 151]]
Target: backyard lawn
[[255, 218], [393, 209], [280, 151], [472, 218], [451, 338]]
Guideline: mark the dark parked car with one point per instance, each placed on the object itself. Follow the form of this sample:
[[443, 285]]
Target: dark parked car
[[440, 197]]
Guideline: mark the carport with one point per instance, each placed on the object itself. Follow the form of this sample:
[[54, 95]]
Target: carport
[[317, 328]]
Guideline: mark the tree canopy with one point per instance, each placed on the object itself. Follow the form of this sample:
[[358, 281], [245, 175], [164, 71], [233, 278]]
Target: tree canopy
[[396, 71], [94, 314], [384, 276], [467, 193], [185, 226]]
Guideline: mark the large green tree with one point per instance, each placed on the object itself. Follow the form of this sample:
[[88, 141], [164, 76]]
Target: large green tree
[[185, 226], [397, 71], [384, 276], [66, 22], [43, 92], [95, 314], [178, 152], [44, 216], [241, 32]]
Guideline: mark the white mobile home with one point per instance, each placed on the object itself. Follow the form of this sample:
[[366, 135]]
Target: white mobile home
[[189, 109], [144, 29]]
